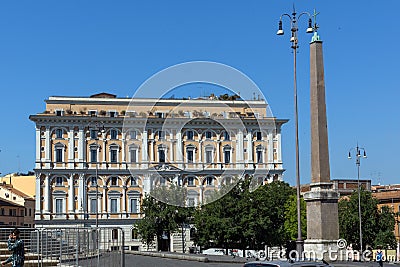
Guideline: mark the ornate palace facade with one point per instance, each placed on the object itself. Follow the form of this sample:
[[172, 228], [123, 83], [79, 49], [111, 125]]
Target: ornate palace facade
[[97, 156]]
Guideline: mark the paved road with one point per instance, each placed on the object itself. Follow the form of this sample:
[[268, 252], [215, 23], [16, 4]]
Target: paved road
[[145, 261]]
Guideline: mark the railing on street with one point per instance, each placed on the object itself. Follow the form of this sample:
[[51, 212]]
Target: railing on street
[[69, 246]]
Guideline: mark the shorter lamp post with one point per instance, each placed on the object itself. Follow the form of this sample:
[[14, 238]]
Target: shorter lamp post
[[358, 156]]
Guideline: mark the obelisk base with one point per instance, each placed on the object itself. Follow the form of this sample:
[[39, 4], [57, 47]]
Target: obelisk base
[[322, 221], [320, 249]]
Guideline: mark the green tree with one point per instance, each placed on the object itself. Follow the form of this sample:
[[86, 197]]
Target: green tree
[[377, 225], [242, 219], [161, 219], [290, 224]]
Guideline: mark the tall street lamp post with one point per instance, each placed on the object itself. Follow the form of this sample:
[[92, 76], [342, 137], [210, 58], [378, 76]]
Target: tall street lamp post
[[294, 40], [358, 156]]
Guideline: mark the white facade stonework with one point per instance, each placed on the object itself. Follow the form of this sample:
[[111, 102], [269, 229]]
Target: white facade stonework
[[72, 161]]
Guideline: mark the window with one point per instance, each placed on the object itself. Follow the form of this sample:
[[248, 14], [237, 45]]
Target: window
[[113, 154], [226, 136], [113, 134], [112, 113], [59, 133], [160, 115], [162, 181], [191, 202], [59, 154], [209, 156], [59, 112], [93, 181], [133, 134], [134, 205], [93, 205], [59, 181], [133, 155], [59, 206], [227, 156], [134, 181], [161, 155], [259, 136], [30, 212], [259, 156], [189, 135], [93, 154], [210, 181], [228, 180], [208, 135], [92, 112], [114, 234], [190, 181], [114, 181], [113, 205], [190, 156], [135, 234], [93, 134], [161, 135]]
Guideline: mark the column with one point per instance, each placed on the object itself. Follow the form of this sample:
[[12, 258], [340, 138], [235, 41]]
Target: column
[[239, 151], [38, 147], [278, 140], [47, 146], [124, 201], [71, 146], [270, 147], [123, 147], [152, 151], [200, 151], [104, 149], [71, 195], [81, 195], [144, 147], [171, 147], [146, 184], [249, 147], [218, 157], [38, 198], [104, 200], [201, 194], [179, 155], [81, 146], [47, 197]]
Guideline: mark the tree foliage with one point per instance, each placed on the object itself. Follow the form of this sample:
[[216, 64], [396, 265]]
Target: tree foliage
[[161, 219], [377, 224], [244, 219], [291, 217]]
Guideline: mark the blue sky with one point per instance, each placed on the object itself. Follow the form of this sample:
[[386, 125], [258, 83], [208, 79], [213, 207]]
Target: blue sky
[[85, 47]]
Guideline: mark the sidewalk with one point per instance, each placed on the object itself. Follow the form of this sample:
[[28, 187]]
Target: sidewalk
[[230, 259]]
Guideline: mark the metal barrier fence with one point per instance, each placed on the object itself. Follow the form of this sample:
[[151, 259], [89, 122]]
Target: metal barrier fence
[[69, 246]]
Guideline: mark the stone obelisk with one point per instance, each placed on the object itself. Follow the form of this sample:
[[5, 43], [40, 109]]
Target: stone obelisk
[[322, 200]]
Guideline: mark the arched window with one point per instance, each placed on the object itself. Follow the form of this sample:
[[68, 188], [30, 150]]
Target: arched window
[[113, 134], [59, 133]]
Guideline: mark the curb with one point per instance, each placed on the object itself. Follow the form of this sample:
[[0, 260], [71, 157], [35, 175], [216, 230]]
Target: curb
[[170, 256]]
